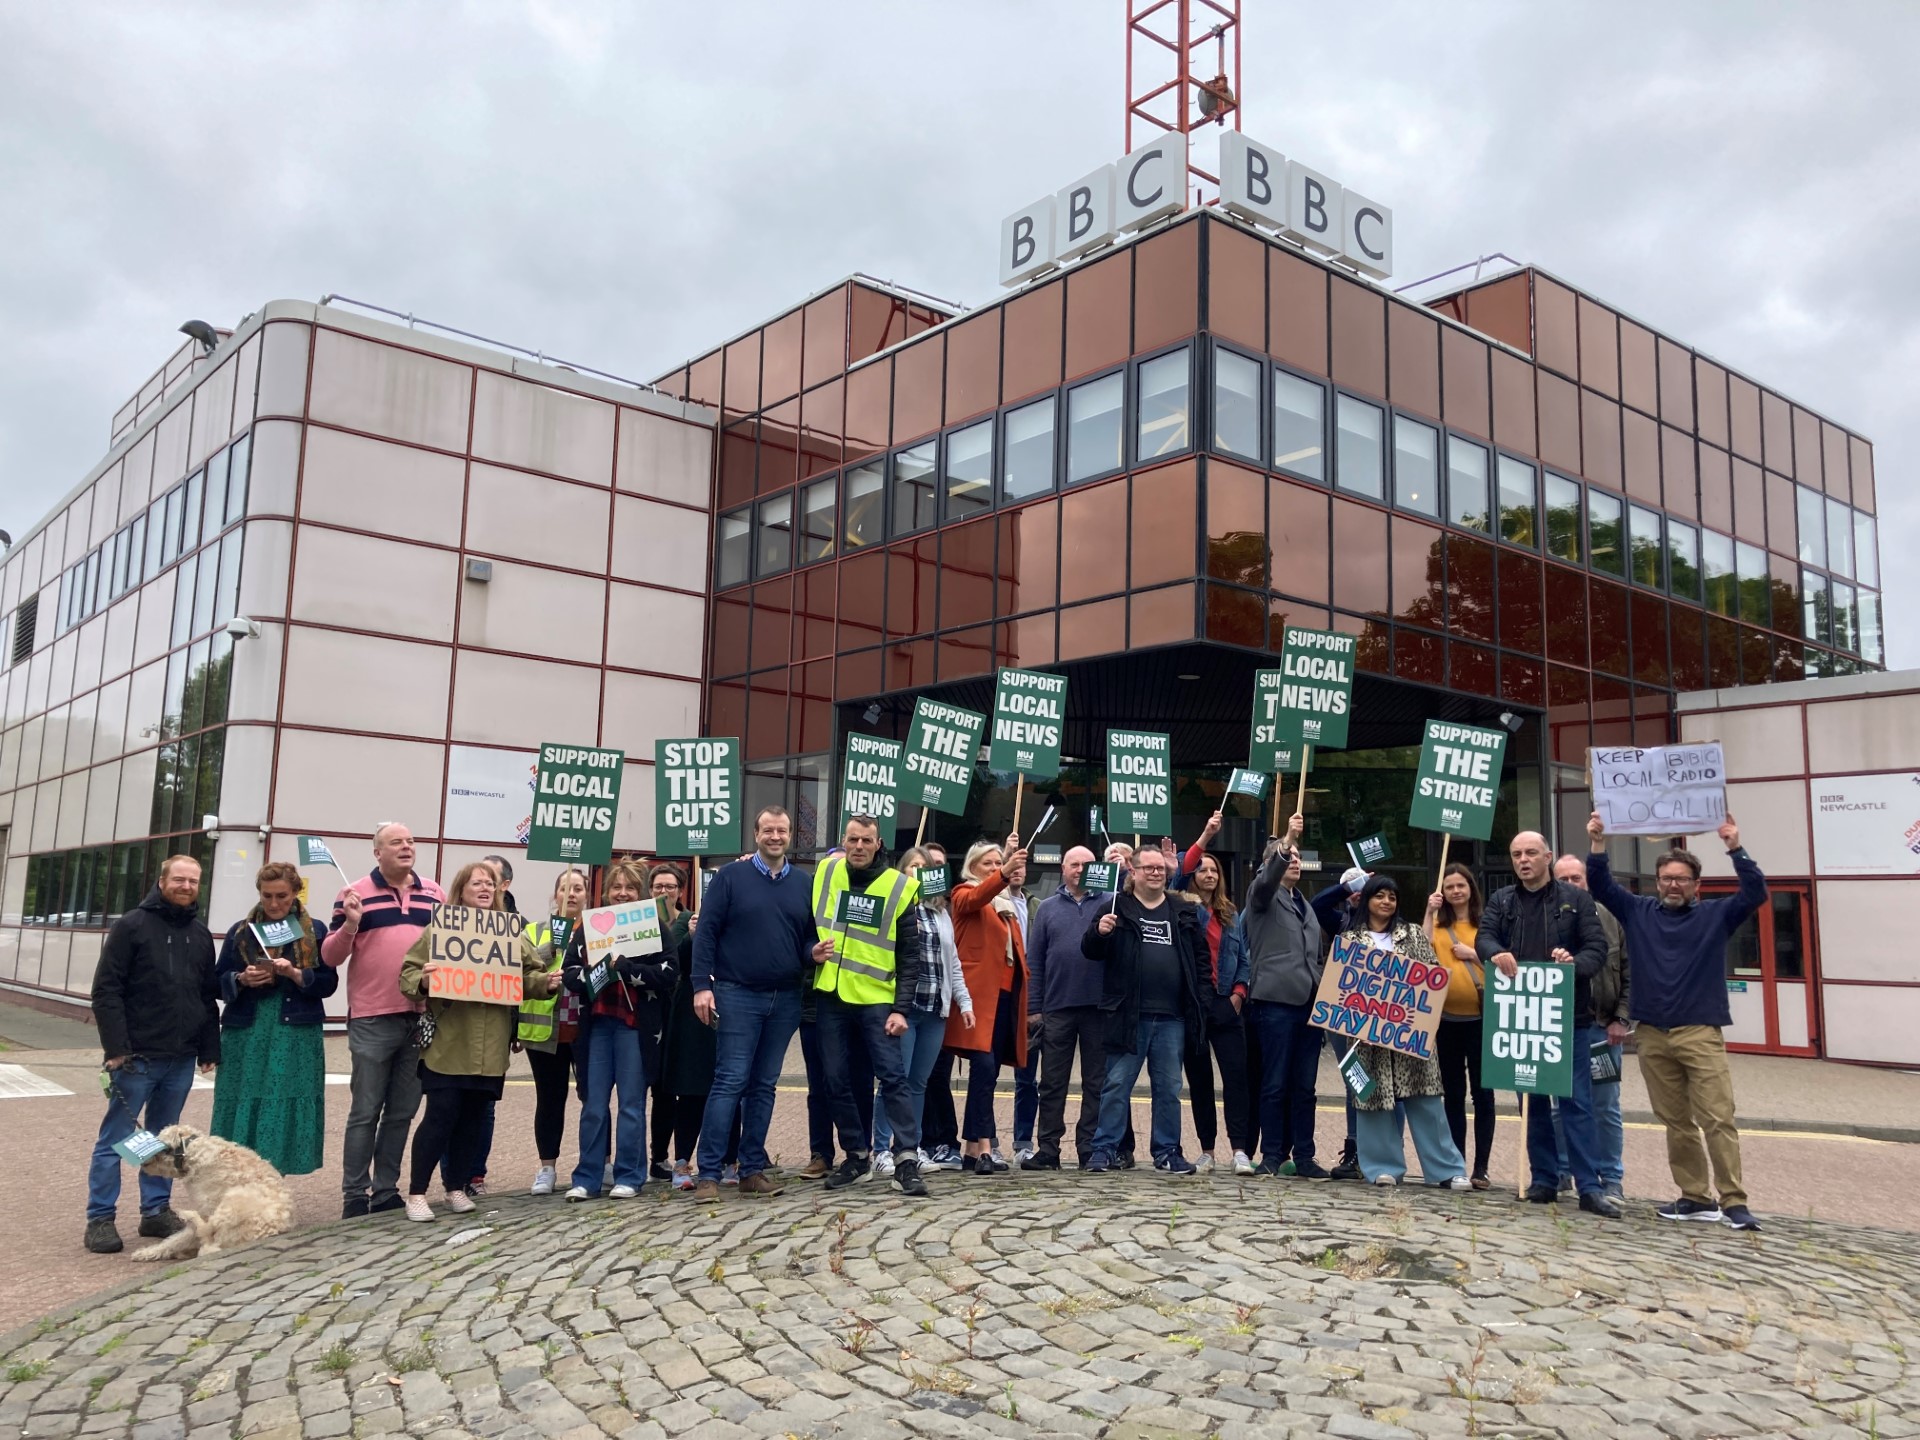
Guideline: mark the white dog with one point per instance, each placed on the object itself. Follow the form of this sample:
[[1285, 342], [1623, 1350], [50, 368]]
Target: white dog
[[242, 1197]]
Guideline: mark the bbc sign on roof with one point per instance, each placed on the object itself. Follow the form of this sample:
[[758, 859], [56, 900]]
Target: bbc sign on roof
[[1256, 182]]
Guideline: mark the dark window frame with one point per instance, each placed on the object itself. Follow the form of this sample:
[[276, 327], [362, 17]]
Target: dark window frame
[[739, 512], [1134, 368], [1065, 424], [1325, 478], [1262, 402], [1385, 498], [1395, 415]]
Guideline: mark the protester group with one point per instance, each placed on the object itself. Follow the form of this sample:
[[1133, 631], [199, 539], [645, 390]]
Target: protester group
[[893, 970]]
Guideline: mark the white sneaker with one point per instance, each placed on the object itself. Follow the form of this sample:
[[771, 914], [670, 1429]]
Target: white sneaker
[[1386, 1180], [579, 1192], [1024, 1154], [883, 1164], [1203, 1162], [542, 1181], [1242, 1163], [418, 1209], [459, 1202], [624, 1192], [1458, 1182]]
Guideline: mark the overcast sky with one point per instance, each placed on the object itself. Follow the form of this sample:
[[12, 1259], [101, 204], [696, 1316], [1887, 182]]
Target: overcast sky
[[626, 191]]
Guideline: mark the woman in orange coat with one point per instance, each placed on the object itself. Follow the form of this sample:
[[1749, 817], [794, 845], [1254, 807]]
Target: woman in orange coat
[[993, 957]]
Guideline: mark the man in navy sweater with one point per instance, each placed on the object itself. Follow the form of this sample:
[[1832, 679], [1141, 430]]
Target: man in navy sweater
[[1677, 961], [755, 947]]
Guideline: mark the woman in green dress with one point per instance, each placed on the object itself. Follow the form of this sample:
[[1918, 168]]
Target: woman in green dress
[[270, 1092]]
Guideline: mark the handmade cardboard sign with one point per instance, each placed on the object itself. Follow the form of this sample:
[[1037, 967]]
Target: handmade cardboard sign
[[936, 766], [869, 779], [1659, 789], [576, 798], [1140, 781], [1527, 1043], [1029, 713], [476, 955], [1458, 782], [1380, 997], [696, 796], [629, 928]]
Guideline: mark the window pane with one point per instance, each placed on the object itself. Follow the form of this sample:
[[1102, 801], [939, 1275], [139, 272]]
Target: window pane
[[1866, 550], [1563, 517], [1357, 460], [865, 501], [913, 493], [136, 551], [968, 481], [190, 516], [733, 563], [1811, 511], [1467, 502], [169, 549], [1646, 567], [1839, 539], [227, 603], [216, 507], [242, 454], [1094, 431], [204, 586], [1161, 427], [773, 546], [1416, 466], [1716, 565], [1517, 522], [1026, 458], [1756, 590], [816, 520], [1813, 606], [1299, 426], [1844, 637], [1683, 559], [183, 603], [1605, 543], [1870, 644], [1236, 404]]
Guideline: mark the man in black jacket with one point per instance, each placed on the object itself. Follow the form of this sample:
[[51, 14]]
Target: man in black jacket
[[1542, 918], [1154, 947], [153, 1001]]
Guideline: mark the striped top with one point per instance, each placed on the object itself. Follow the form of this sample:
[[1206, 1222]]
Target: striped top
[[389, 924]]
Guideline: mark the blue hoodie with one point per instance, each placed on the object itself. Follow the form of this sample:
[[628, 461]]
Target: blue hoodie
[[1678, 958]]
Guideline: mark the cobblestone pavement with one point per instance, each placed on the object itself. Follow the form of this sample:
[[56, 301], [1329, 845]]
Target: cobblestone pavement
[[1129, 1306]]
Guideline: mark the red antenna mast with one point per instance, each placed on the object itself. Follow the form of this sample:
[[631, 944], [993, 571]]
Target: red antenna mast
[[1199, 42]]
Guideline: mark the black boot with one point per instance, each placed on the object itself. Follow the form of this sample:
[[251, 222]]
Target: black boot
[[1349, 1166]]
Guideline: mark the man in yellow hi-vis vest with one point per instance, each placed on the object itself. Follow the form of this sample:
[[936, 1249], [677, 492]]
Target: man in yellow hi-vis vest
[[863, 989]]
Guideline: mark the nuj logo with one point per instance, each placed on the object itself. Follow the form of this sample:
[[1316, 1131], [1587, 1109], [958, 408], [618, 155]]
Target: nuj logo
[[1452, 817]]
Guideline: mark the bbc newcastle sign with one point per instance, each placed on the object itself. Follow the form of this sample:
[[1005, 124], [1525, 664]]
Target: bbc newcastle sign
[[1257, 183]]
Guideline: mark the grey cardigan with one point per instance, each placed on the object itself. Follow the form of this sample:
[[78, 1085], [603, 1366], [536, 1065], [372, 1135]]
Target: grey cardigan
[[1284, 950]]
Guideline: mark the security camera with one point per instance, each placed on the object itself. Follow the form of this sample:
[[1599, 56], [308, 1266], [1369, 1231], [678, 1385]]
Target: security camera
[[241, 628], [1512, 721], [211, 824]]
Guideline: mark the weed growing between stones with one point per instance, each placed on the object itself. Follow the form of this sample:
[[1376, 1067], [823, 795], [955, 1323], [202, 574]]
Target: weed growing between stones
[[22, 1371], [338, 1359]]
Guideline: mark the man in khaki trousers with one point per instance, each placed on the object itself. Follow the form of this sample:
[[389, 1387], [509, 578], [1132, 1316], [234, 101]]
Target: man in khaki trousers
[[1676, 950]]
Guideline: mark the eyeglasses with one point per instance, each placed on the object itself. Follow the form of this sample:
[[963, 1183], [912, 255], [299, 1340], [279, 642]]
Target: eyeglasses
[[1681, 880]]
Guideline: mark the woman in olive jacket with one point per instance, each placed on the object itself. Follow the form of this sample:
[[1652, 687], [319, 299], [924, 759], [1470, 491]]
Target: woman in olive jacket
[[465, 1065]]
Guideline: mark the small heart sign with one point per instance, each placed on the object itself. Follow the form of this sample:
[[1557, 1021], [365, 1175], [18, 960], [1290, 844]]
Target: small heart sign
[[601, 920]]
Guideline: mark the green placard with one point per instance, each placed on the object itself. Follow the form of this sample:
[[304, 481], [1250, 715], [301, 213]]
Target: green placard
[[1100, 877], [576, 799], [1528, 1042], [853, 908], [869, 778], [936, 766], [1029, 713], [1602, 1068], [1248, 782], [1459, 779], [696, 796], [314, 851], [1267, 751], [1139, 781], [935, 881], [1315, 690], [597, 978], [275, 934], [139, 1147], [1358, 1079], [560, 929], [1369, 851]]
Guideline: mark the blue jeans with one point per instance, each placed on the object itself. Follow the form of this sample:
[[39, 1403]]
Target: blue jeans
[[611, 1052], [752, 1029], [159, 1087], [1609, 1134], [848, 1035], [1160, 1044], [919, 1048], [1577, 1125], [1290, 1069]]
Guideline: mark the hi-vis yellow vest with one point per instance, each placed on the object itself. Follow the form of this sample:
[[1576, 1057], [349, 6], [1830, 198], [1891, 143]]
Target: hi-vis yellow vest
[[536, 1016], [861, 970]]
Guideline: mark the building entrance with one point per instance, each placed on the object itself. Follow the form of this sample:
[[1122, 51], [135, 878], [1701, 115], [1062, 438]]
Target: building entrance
[[1770, 972]]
